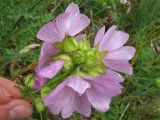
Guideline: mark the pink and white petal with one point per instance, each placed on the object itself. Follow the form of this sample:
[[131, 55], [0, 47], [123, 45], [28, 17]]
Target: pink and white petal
[[78, 84], [110, 32], [117, 41], [69, 103], [47, 51], [110, 74], [48, 33], [51, 70], [81, 22], [113, 40], [99, 36], [39, 82], [73, 11], [61, 21], [80, 37], [82, 105], [119, 65], [108, 87], [63, 101], [49, 98], [98, 100], [123, 53], [55, 109]]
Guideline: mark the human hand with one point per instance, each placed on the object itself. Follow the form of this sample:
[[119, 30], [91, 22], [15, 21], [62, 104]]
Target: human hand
[[12, 105]]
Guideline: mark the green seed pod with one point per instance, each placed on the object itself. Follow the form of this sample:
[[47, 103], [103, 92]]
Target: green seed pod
[[29, 80], [39, 104]]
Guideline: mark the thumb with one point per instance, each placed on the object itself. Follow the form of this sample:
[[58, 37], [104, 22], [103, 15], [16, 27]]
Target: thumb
[[17, 109]]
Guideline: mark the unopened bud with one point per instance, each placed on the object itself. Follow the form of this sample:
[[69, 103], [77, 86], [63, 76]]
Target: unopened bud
[[84, 45], [39, 104], [70, 44], [29, 80]]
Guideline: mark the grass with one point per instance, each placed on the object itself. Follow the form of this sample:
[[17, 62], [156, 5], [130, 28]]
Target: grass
[[140, 100]]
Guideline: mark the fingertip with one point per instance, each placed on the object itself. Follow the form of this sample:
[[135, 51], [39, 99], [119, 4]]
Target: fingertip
[[19, 112], [4, 95], [11, 87], [18, 109]]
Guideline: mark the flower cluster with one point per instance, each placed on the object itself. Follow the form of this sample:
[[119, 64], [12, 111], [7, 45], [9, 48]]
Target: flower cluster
[[80, 75]]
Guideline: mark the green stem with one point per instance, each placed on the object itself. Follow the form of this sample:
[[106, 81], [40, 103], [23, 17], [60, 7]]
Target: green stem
[[59, 78]]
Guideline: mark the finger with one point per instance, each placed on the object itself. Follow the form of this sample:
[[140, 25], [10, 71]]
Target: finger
[[3, 115], [17, 109], [19, 112], [4, 95], [10, 87]]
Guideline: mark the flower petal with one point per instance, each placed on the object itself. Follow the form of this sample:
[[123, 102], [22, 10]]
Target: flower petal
[[63, 101], [124, 53], [99, 36], [119, 65], [80, 22], [83, 106], [98, 100], [39, 82], [48, 99], [47, 51], [110, 74], [108, 87], [48, 33], [51, 70], [69, 103], [61, 21], [73, 11], [113, 40], [78, 84]]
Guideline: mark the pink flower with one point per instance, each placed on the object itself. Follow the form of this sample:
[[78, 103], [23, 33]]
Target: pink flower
[[71, 22], [117, 55], [79, 92]]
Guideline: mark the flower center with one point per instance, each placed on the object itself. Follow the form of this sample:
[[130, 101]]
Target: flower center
[[80, 57]]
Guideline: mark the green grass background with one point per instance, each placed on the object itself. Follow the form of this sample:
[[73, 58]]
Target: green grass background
[[140, 100]]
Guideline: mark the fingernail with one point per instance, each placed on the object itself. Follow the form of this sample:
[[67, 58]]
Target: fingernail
[[14, 111], [4, 91]]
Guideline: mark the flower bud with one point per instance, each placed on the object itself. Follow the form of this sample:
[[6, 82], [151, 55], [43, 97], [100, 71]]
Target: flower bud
[[96, 71], [39, 104], [90, 58], [68, 62], [45, 90], [70, 45], [29, 81], [79, 57], [84, 45]]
